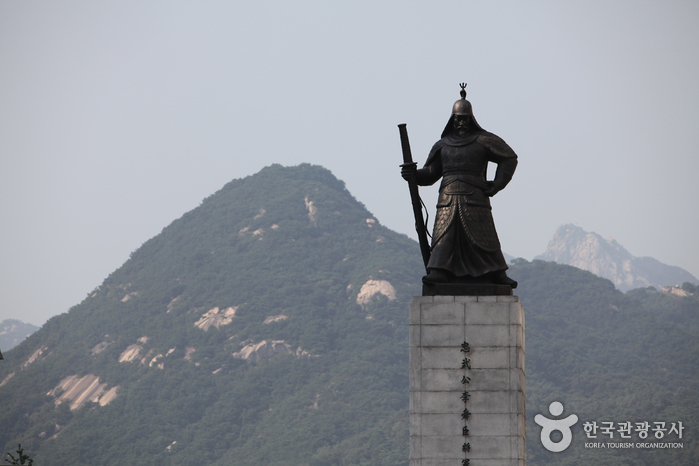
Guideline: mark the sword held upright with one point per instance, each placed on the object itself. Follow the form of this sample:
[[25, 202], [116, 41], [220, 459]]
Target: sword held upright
[[414, 195]]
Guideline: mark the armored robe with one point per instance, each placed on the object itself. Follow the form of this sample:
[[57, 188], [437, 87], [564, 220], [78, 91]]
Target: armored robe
[[464, 240]]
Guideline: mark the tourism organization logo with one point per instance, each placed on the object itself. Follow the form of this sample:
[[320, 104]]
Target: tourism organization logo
[[549, 426], [650, 433]]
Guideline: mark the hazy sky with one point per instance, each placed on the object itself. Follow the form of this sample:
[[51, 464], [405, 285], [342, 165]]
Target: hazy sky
[[117, 117]]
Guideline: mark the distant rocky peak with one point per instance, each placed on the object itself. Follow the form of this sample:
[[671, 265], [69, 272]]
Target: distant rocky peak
[[571, 245], [586, 250]]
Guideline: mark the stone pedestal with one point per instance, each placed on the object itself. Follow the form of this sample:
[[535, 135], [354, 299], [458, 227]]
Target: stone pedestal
[[467, 370]]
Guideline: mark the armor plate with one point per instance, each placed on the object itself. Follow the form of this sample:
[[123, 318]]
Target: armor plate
[[479, 226]]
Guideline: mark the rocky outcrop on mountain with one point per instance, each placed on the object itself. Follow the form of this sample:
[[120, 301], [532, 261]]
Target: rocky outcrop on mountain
[[36, 356], [77, 391], [133, 351], [266, 349], [571, 245], [13, 331], [372, 289], [216, 317]]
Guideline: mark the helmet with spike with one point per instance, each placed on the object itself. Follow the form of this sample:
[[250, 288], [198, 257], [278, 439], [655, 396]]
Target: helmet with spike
[[462, 106]]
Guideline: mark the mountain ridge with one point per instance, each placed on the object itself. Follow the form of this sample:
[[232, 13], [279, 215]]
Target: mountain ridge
[[13, 332], [571, 245]]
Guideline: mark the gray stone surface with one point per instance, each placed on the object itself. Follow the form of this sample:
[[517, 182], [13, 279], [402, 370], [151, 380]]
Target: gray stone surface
[[494, 328]]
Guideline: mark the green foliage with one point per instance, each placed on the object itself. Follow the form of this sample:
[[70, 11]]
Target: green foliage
[[21, 458], [689, 287]]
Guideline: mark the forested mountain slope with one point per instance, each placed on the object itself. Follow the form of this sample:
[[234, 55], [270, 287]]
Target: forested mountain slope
[[267, 326]]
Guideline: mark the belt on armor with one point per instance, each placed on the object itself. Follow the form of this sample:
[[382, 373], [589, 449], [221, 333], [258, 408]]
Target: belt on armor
[[473, 180]]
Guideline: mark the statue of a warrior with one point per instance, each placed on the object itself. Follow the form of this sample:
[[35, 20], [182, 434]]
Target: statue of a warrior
[[465, 247]]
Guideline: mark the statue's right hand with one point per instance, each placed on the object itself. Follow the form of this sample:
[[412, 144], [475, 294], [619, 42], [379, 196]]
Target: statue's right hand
[[409, 172]]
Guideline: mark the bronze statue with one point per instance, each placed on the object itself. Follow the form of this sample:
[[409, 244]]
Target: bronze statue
[[465, 247]]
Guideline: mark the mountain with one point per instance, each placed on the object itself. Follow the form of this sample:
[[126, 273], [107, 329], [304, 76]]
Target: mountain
[[571, 245], [266, 326], [13, 331], [269, 325]]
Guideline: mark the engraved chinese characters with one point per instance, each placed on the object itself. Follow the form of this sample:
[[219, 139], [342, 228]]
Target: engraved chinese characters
[[466, 380], [465, 396]]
